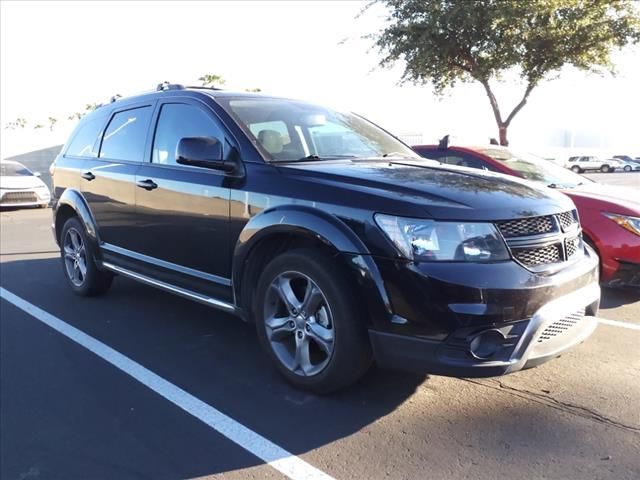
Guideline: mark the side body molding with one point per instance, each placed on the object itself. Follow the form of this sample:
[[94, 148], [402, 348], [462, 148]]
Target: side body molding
[[73, 199], [311, 222]]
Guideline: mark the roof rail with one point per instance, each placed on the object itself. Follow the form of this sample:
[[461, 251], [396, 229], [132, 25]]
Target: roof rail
[[169, 86], [443, 144], [204, 87]]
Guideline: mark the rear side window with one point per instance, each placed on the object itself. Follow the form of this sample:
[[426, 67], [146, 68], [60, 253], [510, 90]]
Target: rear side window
[[84, 141], [176, 121], [126, 135]]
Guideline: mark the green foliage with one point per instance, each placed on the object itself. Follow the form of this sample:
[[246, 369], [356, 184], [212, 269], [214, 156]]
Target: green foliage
[[211, 80], [17, 123], [446, 41]]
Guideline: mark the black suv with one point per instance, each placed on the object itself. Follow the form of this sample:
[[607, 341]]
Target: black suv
[[326, 231]]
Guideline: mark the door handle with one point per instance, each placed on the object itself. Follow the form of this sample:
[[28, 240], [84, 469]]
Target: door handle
[[88, 176], [147, 184]]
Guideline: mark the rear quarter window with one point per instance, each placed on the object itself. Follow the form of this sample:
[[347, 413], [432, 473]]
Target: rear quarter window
[[84, 141]]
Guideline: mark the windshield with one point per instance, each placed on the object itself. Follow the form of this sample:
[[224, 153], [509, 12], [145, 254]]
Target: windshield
[[535, 168], [289, 130], [13, 170]]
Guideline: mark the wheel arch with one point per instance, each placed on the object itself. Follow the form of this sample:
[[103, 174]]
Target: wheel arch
[[284, 228], [71, 203]]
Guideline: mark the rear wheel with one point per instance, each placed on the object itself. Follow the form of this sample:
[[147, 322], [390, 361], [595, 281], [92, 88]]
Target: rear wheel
[[627, 168], [78, 262], [605, 168], [310, 323]]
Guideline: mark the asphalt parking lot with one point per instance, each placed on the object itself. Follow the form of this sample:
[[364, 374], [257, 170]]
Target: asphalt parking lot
[[66, 413], [621, 179]]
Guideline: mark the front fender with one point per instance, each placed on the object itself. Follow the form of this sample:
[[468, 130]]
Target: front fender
[[73, 199], [310, 222]]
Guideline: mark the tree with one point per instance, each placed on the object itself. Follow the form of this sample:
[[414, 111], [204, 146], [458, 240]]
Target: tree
[[17, 123], [446, 41], [211, 80]]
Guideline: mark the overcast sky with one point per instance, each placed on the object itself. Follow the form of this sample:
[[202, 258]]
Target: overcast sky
[[56, 57]]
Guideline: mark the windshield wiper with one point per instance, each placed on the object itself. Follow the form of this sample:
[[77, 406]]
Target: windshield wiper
[[399, 154], [313, 157]]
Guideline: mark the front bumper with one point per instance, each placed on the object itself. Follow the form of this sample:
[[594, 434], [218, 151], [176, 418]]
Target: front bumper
[[24, 198], [555, 328]]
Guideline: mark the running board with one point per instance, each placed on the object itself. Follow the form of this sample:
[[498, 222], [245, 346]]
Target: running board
[[212, 302]]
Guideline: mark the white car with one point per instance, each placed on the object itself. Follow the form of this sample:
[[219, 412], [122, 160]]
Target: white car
[[19, 187], [590, 163]]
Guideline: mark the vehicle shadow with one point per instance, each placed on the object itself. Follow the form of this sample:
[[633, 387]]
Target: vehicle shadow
[[216, 358], [617, 297], [211, 355]]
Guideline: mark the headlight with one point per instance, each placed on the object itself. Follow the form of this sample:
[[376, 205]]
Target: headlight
[[430, 240], [625, 221]]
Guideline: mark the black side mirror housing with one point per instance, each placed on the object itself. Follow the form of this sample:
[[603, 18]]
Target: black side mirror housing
[[203, 152]]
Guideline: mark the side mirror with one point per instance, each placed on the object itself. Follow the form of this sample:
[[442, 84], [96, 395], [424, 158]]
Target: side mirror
[[202, 152], [36, 174]]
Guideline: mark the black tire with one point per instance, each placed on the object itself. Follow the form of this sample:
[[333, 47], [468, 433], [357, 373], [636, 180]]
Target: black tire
[[605, 168], [93, 281], [576, 169], [351, 352], [627, 168]]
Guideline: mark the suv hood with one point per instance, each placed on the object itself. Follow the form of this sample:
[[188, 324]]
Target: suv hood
[[424, 188]]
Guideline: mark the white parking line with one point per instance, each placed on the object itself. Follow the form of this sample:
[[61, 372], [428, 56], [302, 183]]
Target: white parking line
[[275, 456], [616, 323]]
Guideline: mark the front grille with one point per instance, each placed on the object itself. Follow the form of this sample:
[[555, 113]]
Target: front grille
[[572, 246], [568, 220], [537, 256], [19, 197], [543, 240], [560, 326], [527, 226]]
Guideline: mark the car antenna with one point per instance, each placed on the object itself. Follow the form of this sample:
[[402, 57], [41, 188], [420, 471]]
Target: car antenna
[[444, 143]]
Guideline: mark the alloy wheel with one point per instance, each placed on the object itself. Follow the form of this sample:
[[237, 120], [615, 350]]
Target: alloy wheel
[[75, 259], [299, 323]]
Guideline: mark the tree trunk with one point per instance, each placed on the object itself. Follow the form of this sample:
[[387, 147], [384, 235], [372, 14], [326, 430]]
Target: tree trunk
[[502, 131]]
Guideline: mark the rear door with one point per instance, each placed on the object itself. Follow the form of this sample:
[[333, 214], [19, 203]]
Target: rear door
[[183, 211], [108, 181]]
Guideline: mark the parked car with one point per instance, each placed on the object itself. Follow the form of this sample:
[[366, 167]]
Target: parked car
[[587, 163], [610, 217], [626, 165], [335, 238], [19, 187]]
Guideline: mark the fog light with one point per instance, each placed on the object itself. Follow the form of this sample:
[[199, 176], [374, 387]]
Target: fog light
[[486, 344]]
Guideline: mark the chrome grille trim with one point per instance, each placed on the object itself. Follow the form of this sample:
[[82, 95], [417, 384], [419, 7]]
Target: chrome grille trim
[[527, 226], [532, 257], [544, 242]]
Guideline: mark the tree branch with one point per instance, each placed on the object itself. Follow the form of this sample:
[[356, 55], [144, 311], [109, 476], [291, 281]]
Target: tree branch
[[522, 103], [493, 101]]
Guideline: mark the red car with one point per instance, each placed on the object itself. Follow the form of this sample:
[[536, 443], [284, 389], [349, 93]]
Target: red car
[[610, 216]]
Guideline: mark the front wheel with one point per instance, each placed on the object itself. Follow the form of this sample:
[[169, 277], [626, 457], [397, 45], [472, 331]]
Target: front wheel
[[310, 322], [576, 169], [81, 272]]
